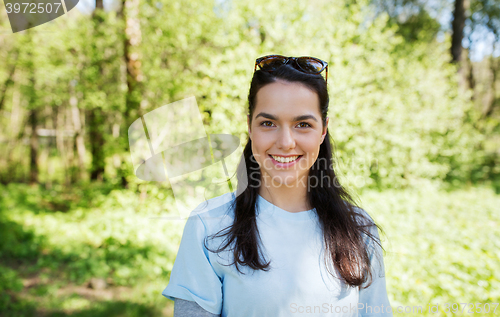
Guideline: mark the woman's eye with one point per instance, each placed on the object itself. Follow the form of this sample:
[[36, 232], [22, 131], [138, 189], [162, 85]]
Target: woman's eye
[[304, 125], [266, 123]]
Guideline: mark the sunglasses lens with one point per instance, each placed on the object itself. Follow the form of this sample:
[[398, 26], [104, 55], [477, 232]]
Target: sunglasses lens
[[310, 65], [305, 64], [271, 62]]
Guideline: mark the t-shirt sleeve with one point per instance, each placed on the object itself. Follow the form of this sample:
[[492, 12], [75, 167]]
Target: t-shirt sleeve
[[193, 278], [184, 308], [373, 300]]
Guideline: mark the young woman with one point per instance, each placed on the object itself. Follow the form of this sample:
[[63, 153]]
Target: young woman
[[292, 242]]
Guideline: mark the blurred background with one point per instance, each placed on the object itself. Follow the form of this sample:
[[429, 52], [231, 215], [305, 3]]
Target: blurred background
[[414, 114]]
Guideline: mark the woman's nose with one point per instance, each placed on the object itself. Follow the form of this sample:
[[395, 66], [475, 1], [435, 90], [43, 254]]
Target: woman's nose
[[285, 139]]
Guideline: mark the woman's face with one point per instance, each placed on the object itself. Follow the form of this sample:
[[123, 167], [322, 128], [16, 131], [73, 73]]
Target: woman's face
[[286, 132]]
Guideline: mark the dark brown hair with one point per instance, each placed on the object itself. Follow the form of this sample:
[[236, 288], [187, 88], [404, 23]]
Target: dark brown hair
[[343, 227]]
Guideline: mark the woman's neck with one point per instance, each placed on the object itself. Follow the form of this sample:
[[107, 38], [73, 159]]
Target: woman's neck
[[286, 197]]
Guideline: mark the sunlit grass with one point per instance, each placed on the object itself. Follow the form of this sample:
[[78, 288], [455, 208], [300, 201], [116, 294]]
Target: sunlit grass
[[441, 248]]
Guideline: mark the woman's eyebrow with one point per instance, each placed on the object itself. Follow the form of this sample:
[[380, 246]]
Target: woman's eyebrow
[[298, 118]]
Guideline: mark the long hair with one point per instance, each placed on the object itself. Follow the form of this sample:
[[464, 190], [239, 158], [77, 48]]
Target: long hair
[[342, 226]]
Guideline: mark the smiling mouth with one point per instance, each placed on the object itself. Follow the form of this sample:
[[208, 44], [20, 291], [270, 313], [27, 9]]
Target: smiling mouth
[[286, 159]]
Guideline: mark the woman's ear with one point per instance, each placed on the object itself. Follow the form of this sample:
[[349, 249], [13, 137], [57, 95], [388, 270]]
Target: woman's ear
[[249, 129], [325, 129]]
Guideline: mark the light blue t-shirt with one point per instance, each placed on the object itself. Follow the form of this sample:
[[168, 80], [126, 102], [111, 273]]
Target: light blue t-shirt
[[298, 283]]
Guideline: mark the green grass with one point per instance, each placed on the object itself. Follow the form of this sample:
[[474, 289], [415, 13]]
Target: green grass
[[50, 253], [442, 247]]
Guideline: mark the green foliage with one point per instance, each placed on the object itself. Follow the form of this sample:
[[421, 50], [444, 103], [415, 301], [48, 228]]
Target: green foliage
[[397, 117], [106, 233], [486, 14], [419, 27], [440, 247]]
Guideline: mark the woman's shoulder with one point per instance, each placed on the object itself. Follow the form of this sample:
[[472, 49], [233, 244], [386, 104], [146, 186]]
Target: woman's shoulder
[[362, 216], [215, 212], [366, 222]]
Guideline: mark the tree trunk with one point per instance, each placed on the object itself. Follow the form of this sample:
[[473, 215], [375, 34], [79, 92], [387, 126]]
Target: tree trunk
[[15, 134], [33, 121], [60, 135], [33, 115], [79, 141], [494, 100], [96, 124], [132, 56], [470, 78], [96, 115], [458, 25], [10, 77]]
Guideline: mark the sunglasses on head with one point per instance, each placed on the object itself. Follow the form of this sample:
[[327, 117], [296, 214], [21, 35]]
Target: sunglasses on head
[[306, 64]]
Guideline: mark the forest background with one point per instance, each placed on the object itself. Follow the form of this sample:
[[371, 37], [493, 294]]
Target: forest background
[[414, 114]]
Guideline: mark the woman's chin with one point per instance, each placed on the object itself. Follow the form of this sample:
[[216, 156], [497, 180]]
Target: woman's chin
[[289, 181]]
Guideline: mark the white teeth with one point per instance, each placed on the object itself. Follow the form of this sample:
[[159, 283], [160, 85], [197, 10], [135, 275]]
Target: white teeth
[[285, 159]]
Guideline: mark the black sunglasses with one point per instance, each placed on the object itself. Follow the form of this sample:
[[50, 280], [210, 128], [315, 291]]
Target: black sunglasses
[[306, 64]]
